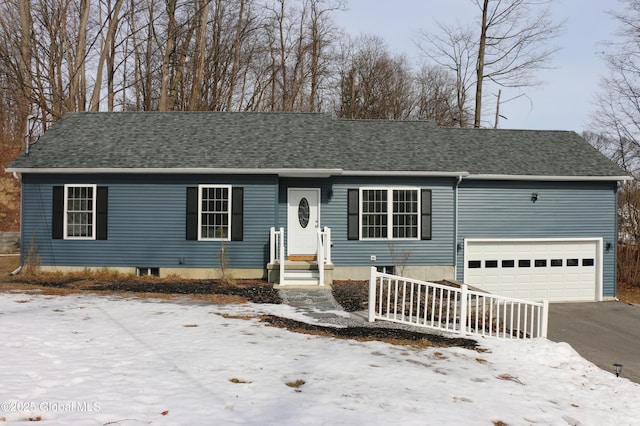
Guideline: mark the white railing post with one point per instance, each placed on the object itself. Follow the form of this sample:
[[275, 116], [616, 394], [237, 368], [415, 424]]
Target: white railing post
[[372, 294], [327, 244], [463, 308], [545, 319], [320, 259], [272, 245], [281, 256]]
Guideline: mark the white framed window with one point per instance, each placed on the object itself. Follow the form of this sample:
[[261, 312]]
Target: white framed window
[[79, 212], [214, 212], [389, 213]]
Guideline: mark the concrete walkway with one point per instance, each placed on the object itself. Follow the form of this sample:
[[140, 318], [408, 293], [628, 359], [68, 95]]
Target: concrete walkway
[[314, 302], [602, 332]]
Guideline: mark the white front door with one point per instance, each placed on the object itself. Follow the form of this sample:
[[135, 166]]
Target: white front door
[[303, 221]]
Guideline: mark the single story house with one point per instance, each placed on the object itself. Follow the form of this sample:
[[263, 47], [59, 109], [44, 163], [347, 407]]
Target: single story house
[[307, 198]]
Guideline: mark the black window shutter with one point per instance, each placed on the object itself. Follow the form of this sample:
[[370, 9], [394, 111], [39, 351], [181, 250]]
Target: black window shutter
[[102, 205], [57, 224], [425, 224], [353, 214], [192, 213], [237, 208]]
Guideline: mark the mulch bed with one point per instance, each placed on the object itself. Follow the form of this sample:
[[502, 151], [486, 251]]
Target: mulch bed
[[393, 335], [252, 290], [352, 295]]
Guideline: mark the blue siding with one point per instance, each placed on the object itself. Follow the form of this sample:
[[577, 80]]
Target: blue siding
[[437, 251], [147, 220], [147, 217], [498, 209]]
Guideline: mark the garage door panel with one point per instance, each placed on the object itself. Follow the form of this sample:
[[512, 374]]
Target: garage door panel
[[560, 274]]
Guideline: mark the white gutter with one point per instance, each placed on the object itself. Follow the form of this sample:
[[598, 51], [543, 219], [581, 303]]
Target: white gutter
[[285, 172], [294, 172], [455, 231], [549, 178], [301, 172], [402, 173]]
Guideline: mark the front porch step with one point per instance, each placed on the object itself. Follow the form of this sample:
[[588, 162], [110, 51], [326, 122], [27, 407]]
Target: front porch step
[[300, 273], [302, 277]]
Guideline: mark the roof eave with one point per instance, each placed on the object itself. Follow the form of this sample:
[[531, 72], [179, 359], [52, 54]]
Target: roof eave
[[423, 173], [302, 172], [285, 172], [549, 178]]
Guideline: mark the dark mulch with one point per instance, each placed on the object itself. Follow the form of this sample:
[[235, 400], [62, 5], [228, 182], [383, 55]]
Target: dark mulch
[[372, 333], [352, 295], [252, 290]]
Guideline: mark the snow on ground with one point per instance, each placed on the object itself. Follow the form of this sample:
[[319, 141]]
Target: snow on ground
[[86, 359]]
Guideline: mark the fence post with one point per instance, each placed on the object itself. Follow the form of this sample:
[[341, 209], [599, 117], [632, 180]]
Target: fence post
[[281, 256], [545, 318], [372, 294], [272, 245], [463, 308]]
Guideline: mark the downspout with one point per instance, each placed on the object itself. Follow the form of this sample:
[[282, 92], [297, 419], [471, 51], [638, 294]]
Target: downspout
[[455, 229], [616, 236], [19, 179]]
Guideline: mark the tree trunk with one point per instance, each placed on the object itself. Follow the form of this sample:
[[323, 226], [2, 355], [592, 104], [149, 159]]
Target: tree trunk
[[77, 86], [26, 76], [105, 49], [195, 101], [480, 65], [236, 56], [167, 57]]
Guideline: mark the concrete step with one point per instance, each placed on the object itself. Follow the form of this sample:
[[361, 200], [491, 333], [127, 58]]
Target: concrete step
[[301, 277]]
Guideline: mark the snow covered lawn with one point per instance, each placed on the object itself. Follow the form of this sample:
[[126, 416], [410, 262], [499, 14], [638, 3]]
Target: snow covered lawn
[[87, 359]]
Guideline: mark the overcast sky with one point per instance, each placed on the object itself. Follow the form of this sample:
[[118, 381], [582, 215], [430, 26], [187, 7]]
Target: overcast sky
[[564, 102]]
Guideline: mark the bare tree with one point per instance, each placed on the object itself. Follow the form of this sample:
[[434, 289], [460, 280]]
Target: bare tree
[[373, 83], [616, 130], [107, 52], [512, 45], [438, 97], [618, 102], [454, 49]]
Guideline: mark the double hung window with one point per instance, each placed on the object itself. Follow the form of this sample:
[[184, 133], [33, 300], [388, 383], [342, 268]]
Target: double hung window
[[389, 213], [215, 212], [79, 211]]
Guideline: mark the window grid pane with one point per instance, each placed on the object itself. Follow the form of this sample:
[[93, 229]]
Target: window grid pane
[[405, 213], [215, 212], [374, 213], [79, 211]]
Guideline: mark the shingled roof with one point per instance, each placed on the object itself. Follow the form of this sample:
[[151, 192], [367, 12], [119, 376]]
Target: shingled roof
[[248, 142]]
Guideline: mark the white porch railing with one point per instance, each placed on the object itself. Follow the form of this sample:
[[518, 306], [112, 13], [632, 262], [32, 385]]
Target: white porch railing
[[453, 309], [276, 249], [277, 253]]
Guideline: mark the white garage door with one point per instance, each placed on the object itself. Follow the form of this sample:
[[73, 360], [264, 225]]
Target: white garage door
[[555, 270]]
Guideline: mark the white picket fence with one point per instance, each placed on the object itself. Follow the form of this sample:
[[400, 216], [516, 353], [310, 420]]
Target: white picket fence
[[454, 309]]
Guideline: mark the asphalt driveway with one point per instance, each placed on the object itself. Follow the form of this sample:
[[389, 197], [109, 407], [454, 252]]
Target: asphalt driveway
[[602, 332]]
